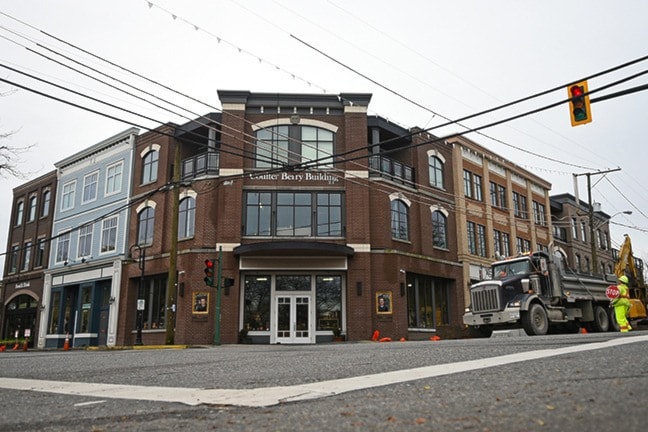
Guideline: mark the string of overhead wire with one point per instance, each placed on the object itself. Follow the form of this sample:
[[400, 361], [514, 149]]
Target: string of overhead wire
[[409, 100], [112, 64], [432, 128], [411, 49], [561, 87], [449, 121]]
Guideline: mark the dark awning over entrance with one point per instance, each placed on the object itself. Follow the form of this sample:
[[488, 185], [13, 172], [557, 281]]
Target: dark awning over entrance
[[309, 248]]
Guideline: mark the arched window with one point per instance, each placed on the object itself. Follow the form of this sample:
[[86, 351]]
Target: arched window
[[435, 166], [187, 218], [145, 225], [294, 144], [46, 204], [20, 210], [32, 209], [150, 167], [439, 230], [399, 220]]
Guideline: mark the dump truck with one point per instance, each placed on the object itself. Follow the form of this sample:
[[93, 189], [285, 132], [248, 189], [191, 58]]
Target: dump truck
[[537, 291]]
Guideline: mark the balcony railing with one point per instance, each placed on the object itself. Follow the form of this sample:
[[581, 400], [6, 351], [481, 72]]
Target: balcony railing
[[200, 165], [382, 166]]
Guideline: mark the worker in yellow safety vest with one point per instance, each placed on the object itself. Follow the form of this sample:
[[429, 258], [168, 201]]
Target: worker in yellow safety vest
[[622, 304]]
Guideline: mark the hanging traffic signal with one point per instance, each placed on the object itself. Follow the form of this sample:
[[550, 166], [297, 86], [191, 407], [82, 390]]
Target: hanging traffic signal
[[579, 105], [209, 272]]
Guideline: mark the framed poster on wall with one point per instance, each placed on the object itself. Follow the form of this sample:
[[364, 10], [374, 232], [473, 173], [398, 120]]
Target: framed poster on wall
[[384, 302]]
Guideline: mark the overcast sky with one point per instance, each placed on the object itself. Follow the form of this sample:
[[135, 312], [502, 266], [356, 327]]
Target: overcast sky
[[423, 61]]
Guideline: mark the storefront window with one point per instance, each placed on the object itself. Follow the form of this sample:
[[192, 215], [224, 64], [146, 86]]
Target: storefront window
[[154, 294], [56, 313], [427, 302], [329, 302], [86, 304], [256, 311]]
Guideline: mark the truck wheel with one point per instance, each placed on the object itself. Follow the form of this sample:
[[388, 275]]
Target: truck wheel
[[601, 322], [535, 321], [614, 325]]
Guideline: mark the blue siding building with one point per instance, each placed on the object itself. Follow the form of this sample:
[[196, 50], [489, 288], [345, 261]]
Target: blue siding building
[[88, 245]]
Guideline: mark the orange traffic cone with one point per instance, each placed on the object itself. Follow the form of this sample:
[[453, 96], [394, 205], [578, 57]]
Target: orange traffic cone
[[3, 347], [385, 339], [403, 339], [66, 344], [15, 347], [375, 336], [435, 338], [583, 330], [25, 345]]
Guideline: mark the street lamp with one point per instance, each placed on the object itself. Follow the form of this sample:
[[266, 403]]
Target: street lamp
[[627, 212], [140, 291]]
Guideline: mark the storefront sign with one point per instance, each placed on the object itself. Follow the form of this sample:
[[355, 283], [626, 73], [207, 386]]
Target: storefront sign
[[298, 177], [20, 285]]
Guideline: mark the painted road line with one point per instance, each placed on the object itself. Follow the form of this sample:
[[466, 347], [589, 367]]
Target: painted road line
[[268, 396]]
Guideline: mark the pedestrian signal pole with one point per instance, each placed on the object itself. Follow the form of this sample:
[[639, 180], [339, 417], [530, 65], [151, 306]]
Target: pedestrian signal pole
[[217, 316]]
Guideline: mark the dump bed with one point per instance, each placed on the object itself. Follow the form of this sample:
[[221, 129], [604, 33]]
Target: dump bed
[[583, 287]]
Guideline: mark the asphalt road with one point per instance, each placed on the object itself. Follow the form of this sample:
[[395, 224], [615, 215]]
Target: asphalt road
[[583, 382]]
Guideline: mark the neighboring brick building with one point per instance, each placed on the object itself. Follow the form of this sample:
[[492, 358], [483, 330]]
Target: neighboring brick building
[[571, 233], [28, 249], [502, 209]]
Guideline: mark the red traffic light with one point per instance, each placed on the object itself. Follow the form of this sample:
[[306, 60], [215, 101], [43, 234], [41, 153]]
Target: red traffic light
[[576, 91], [209, 272]]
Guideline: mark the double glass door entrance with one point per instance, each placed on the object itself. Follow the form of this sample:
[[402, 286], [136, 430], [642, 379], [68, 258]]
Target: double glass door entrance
[[293, 319]]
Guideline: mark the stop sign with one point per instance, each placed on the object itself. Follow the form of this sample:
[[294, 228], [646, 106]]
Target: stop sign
[[612, 292]]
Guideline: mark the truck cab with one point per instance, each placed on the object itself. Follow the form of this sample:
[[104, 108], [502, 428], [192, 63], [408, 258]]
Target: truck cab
[[504, 298]]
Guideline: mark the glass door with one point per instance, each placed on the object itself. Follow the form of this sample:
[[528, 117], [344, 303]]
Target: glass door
[[293, 313]]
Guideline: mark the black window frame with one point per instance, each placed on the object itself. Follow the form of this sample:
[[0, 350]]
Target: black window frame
[[262, 210]]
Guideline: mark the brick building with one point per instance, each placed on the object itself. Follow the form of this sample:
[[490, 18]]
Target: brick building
[[312, 242], [502, 209], [572, 235], [28, 249]]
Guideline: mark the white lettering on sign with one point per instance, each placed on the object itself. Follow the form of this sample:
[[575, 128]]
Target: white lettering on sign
[[22, 285], [298, 177]]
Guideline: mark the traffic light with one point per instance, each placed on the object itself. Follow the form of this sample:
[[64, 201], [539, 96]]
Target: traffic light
[[579, 105], [209, 272]]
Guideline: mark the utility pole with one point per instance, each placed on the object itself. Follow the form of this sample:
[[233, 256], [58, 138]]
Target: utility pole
[[173, 255], [591, 213]]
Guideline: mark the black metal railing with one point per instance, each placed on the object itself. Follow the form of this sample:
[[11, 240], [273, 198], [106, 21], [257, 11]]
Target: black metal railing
[[382, 166], [199, 165]]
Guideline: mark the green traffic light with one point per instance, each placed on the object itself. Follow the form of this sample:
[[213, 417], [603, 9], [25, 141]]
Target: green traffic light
[[580, 114]]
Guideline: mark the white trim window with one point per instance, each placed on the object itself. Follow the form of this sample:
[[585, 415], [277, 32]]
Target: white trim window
[[109, 234], [68, 193], [63, 248], [84, 248], [90, 182], [114, 176]]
